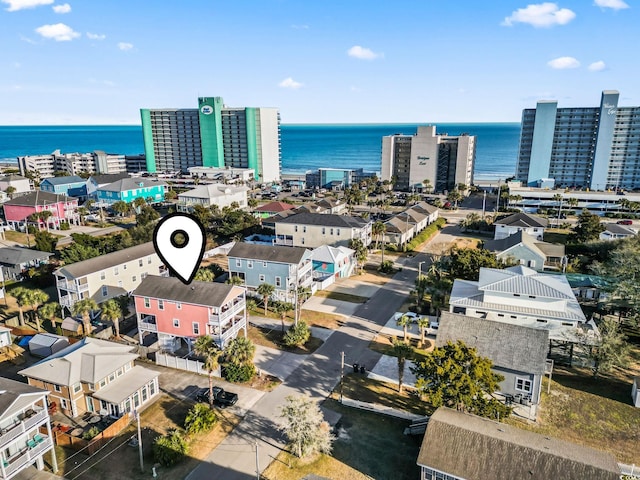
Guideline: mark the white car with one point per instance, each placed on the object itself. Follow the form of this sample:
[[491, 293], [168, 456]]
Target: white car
[[434, 324], [413, 316]]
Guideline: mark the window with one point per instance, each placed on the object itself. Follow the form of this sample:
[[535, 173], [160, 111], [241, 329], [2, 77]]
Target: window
[[64, 404], [120, 371], [179, 306], [323, 230], [160, 304], [196, 328], [57, 388], [249, 263], [152, 387], [295, 229], [147, 303], [77, 388], [262, 278], [238, 262], [176, 323], [144, 394], [124, 267], [115, 270], [140, 262], [278, 282], [103, 275], [134, 278], [103, 382], [524, 384], [127, 367], [331, 232], [338, 231], [120, 283], [304, 229], [105, 290], [143, 275], [264, 264], [112, 377], [148, 260]]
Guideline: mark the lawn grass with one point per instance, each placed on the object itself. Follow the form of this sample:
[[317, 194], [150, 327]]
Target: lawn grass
[[384, 345], [557, 236], [19, 237], [323, 320], [290, 467], [273, 338], [343, 297]]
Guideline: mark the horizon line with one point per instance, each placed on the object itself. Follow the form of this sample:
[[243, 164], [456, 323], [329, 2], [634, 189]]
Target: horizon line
[[282, 124]]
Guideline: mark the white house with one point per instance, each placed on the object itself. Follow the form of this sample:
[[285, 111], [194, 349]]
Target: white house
[[313, 230], [214, 194], [520, 222], [613, 231], [5, 337]]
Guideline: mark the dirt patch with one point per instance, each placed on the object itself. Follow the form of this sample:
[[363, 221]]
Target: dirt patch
[[323, 320], [343, 297]]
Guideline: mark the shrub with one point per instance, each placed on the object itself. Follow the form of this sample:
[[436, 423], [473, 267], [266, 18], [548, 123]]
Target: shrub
[[92, 432], [238, 373], [65, 226], [386, 267], [426, 234], [170, 449], [200, 419], [297, 335]]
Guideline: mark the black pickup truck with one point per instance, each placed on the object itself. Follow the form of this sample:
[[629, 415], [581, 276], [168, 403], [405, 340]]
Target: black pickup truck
[[221, 398]]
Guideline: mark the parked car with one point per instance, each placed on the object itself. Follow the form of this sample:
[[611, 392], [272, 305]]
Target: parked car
[[413, 316], [625, 222], [221, 398]]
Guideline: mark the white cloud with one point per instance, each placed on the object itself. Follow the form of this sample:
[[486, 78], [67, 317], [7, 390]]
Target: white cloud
[[58, 32], [613, 4], [15, 5], [597, 66], [290, 83], [28, 40], [124, 46], [562, 63], [300, 27], [540, 15], [95, 36], [362, 53], [64, 8]]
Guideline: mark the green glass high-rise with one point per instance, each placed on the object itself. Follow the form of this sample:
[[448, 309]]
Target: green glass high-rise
[[213, 135]]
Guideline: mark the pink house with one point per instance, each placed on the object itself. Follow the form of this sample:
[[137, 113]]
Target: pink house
[[179, 313], [62, 208]]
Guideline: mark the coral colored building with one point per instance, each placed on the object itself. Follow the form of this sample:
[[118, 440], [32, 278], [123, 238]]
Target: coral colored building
[[180, 313], [62, 208]]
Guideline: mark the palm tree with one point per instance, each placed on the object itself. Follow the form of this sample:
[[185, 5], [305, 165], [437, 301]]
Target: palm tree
[[404, 321], [204, 275], [423, 323], [240, 351], [427, 185], [205, 347], [120, 207], [377, 230], [421, 288], [21, 295], [10, 191], [49, 311], [111, 311], [402, 351], [282, 308], [139, 202], [37, 298], [265, 290], [303, 293], [234, 280], [84, 308]]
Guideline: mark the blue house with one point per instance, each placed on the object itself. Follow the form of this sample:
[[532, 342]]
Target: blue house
[[282, 267], [330, 261], [71, 186], [128, 189]]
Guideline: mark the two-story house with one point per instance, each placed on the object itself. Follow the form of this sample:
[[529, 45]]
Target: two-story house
[[214, 194], [313, 230], [339, 262], [108, 276], [530, 224], [282, 267], [526, 250], [71, 186], [180, 313], [25, 428], [95, 376], [62, 209], [128, 189], [16, 261]]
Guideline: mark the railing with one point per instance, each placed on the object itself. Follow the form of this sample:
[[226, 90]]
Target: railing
[[286, 243], [227, 314], [27, 456], [148, 324], [72, 286], [66, 301], [13, 432], [231, 332]]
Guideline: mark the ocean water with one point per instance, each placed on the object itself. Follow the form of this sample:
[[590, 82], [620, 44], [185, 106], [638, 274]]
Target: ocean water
[[304, 147]]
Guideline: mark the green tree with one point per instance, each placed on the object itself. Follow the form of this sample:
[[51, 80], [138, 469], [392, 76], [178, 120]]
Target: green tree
[[465, 263], [402, 352], [378, 229], [240, 350], [84, 308], [203, 214], [204, 275], [10, 191], [205, 347], [588, 228], [235, 280], [146, 214], [265, 290], [139, 202], [282, 308], [22, 296], [611, 349], [427, 185], [45, 242], [252, 203], [305, 427], [121, 208], [200, 419], [297, 335], [361, 251], [302, 294], [454, 197], [37, 297], [77, 253], [404, 321], [112, 312], [49, 311], [421, 284], [170, 448], [423, 324], [455, 376]]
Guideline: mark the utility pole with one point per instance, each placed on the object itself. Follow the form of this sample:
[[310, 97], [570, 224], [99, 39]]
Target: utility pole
[[257, 463], [484, 203], [341, 376], [140, 443], [420, 269]]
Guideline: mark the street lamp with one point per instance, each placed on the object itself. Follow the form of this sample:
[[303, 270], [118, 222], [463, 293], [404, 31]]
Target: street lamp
[[420, 269]]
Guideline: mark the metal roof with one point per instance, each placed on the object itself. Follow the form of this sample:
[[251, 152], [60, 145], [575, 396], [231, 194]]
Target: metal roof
[[126, 385]]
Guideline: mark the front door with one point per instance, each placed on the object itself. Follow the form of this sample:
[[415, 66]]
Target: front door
[[89, 404]]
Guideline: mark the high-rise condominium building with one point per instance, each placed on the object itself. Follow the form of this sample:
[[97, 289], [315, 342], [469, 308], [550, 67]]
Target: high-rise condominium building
[[46, 166], [444, 160], [584, 147], [213, 135]]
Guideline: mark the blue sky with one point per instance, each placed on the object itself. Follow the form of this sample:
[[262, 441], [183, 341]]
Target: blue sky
[[347, 61]]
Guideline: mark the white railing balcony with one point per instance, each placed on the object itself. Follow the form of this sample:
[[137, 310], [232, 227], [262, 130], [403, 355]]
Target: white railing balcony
[[26, 456], [148, 324], [66, 301], [227, 314], [232, 331], [72, 286], [286, 243]]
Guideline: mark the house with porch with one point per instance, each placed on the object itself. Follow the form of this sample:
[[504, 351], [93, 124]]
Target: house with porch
[[63, 209], [339, 262], [518, 353], [524, 249], [177, 313], [311, 230], [217, 194], [530, 224], [613, 231], [128, 189], [462, 446], [25, 428], [283, 267], [108, 276], [21, 184], [16, 261], [71, 186], [95, 376]]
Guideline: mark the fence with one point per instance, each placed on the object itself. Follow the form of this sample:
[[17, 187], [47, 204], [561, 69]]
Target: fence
[[186, 364], [220, 250], [62, 438]]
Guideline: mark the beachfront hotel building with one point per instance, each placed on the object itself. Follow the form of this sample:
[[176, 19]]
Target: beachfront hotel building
[[213, 135], [98, 161], [444, 160], [582, 147]]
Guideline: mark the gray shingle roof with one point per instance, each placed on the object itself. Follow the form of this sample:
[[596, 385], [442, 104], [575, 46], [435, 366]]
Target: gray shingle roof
[[64, 180], [85, 267], [268, 253], [19, 255], [107, 178], [327, 220], [619, 229], [126, 184], [10, 391], [507, 345], [477, 448], [196, 293], [523, 220], [32, 199]]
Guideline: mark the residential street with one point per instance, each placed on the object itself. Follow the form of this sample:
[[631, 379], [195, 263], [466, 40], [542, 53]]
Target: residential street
[[235, 457]]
